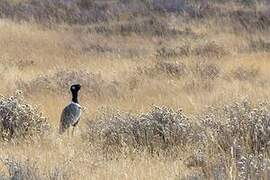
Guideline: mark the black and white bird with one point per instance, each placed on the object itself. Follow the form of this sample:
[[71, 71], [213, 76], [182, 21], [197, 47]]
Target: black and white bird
[[72, 112]]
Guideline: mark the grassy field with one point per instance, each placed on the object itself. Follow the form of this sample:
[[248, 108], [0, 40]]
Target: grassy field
[[170, 91]]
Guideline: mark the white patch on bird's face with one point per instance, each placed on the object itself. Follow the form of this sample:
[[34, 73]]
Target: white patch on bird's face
[[73, 87]]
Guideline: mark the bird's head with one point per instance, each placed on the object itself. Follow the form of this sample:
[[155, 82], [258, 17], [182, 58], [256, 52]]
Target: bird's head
[[75, 87]]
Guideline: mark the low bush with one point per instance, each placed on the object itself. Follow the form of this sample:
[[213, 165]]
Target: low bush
[[227, 141], [55, 11], [18, 119], [171, 69], [165, 52], [250, 20], [153, 25], [259, 45], [198, 85], [210, 49], [206, 71], [93, 84], [207, 50], [159, 129], [28, 169], [242, 124], [245, 74]]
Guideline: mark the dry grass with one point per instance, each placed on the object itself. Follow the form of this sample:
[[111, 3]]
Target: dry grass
[[129, 56]]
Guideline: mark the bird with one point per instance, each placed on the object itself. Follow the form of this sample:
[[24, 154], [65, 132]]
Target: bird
[[71, 114]]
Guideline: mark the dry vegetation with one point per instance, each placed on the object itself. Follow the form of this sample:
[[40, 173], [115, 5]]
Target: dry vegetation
[[170, 89]]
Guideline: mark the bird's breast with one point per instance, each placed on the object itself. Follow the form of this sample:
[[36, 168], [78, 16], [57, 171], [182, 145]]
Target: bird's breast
[[75, 112]]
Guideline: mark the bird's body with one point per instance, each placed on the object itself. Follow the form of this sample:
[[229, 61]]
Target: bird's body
[[71, 114]]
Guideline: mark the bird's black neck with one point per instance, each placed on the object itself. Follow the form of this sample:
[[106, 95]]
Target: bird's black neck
[[75, 97]]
